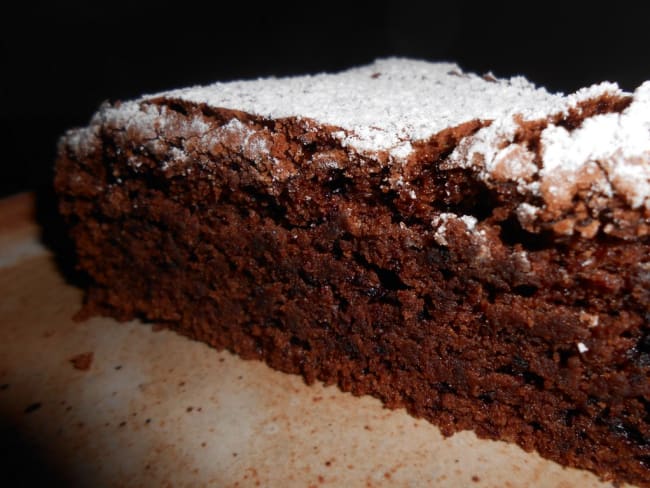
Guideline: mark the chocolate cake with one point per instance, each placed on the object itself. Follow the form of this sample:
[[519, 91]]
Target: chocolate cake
[[470, 248]]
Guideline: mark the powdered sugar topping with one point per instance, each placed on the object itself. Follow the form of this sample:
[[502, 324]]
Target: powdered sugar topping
[[607, 154], [382, 106], [616, 144], [392, 103]]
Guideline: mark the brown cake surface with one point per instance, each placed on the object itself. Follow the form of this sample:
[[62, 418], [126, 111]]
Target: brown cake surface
[[472, 249]]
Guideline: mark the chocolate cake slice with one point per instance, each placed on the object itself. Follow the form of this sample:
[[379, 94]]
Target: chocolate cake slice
[[470, 248]]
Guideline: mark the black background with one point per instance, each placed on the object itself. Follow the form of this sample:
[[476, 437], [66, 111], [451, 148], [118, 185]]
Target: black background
[[61, 60]]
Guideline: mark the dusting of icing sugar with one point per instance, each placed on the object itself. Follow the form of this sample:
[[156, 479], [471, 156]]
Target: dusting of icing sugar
[[143, 119], [381, 105], [402, 150], [241, 138], [526, 211], [441, 221], [157, 125], [608, 154], [81, 141], [469, 221], [391, 103], [617, 144], [477, 236], [176, 155], [588, 93], [515, 163]]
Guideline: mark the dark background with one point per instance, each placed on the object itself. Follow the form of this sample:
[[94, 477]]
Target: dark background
[[60, 61]]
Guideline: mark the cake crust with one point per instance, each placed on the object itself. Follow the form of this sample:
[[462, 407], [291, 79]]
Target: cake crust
[[486, 267]]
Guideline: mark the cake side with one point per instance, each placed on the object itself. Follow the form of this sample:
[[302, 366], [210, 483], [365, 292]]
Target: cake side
[[431, 283]]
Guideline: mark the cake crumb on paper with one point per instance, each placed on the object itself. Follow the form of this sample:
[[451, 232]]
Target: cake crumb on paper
[[82, 361]]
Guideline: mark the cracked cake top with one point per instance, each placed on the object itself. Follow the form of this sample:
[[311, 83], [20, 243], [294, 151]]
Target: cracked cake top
[[592, 146]]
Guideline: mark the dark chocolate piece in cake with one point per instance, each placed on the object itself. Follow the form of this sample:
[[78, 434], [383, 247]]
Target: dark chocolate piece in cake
[[472, 249]]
